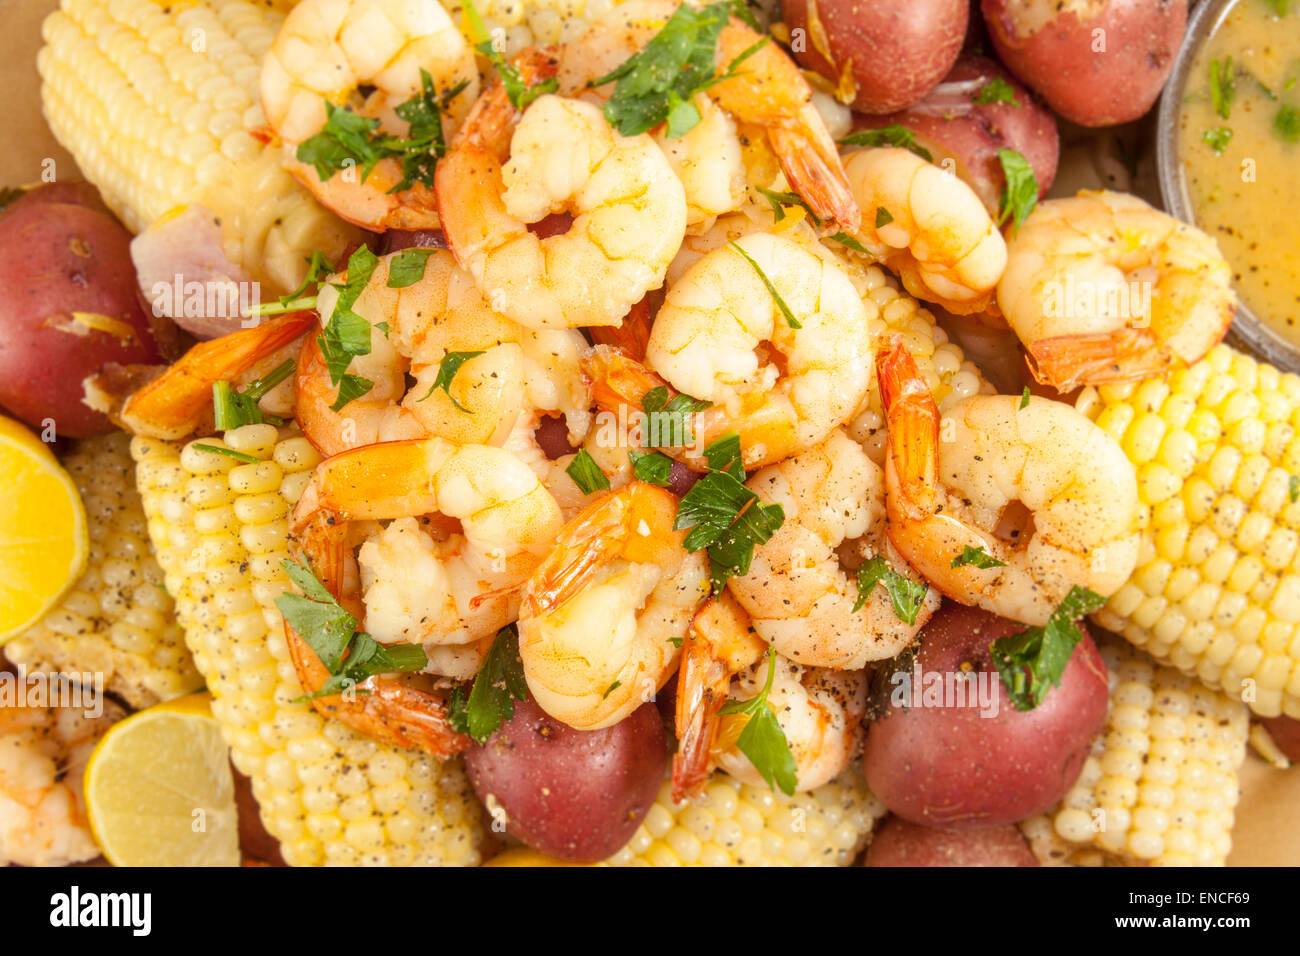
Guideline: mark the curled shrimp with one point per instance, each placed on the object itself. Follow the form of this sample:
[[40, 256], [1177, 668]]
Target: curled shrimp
[[721, 336], [329, 50], [799, 594], [1037, 487], [1101, 287], [929, 227], [176, 403], [419, 590], [43, 756], [599, 617], [628, 205]]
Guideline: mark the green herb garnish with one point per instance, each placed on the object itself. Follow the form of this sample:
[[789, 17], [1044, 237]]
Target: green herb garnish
[[228, 452], [1223, 86], [668, 425], [762, 740], [976, 557], [586, 474], [447, 369], [498, 684], [1217, 138], [1293, 487], [234, 408], [1025, 396], [844, 239], [1287, 123], [1032, 662], [905, 595], [776, 296], [347, 334], [407, 267], [519, 92], [891, 135], [611, 688], [883, 217], [996, 90], [778, 202], [652, 467], [1020, 195]]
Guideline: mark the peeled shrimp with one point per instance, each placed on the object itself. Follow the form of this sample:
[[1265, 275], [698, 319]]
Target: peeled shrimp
[[1103, 288], [799, 596], [1037, 487], [599, 616], [929, 227], [452, 591], [330, 50]]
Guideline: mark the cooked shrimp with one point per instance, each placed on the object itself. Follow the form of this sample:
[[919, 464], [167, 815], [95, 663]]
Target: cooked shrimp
[[1101, 287], [799, 596], [929, 227], [442, 312], [43, 755], [629, 211], [610, 457], [419, 590], [1037, 487], [330, 50], [722, 337], [599, 616], [175, 404]]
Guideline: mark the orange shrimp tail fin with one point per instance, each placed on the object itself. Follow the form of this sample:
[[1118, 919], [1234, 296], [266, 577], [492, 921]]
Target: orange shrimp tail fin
[[632, 336], [913, 426], [1069, 361], [174, 404], [615, 380], [818, 177]]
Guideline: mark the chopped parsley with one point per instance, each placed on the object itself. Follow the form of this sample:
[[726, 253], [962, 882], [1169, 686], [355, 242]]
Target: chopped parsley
[[233, 408], [724, 454], [776, 296], [1223, 86], [498, 684], [883, 217], [586, 474], [977, 557], [905, 595], [891, 135], [1020, 195], [519, 92], [652, 467], [656, 84], [779, 201], [611, 688], [996, 90], [762, 740], [668, 425], [447, 369], [347, 334], [318, 267], [1293, 487], [327, 628], [1217, 138], [407, 267], [228, 452], [1279, 6], [1287, 123], [1032, 662], [844, 239], [1025, 396]]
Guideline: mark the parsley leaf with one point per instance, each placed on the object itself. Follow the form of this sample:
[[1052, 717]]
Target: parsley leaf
[[611, 688], [350, 387], [447, 369], [586, 474], [996, 90], [667, 424], [977, 557], [1025, 396], [1223, 86], [1217, 138], [723, 454], [652, 467], [519, 92], [762, 740], [778, 202], [233, 408], [776, 296], [1020, 195], [498, 684], [1293, 487], [728, 519], [1033, 661], [347, 334], [844, 239], [407, 267], [883, 217], [228, 452], [1287, 123], [905, 595], [891, 135]]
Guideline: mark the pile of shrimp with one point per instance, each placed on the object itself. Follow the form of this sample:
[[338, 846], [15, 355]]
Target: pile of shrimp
[[573, 276]]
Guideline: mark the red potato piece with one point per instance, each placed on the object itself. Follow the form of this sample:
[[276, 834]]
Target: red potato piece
[[1096, 62], [890, 52], [69, 307], [953, 127], [981, 766], [574, 794], [1285, 732], [74, 193], [900, 843]]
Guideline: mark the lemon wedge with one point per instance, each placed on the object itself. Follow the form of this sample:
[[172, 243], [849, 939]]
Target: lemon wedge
[[43, 542], [159, 789]]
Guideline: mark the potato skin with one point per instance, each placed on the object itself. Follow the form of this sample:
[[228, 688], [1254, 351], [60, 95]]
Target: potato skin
[[947, 766], [1285, 732], [578, 795], [74, 192], [953, 127], [899, 843], [1052, 50], [898, 49], [57, 258]]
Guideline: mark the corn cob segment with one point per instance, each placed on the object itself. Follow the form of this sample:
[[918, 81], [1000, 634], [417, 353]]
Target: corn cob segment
[[159, 105], [735, 824], [1216, 592], [327, 793], [1160, 785], [116, 621]]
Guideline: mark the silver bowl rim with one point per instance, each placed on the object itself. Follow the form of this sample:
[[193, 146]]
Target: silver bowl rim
[[1247, 330]]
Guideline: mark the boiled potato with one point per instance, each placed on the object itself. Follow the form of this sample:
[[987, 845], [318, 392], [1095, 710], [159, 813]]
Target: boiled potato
[[1285, 732], [899, 843], [888, 53], [1096, 63]]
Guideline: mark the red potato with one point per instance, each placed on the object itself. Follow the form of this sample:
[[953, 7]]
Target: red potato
[[899, 843], [1096, 62], [574, 794], [1285, 732], [946, 765], [74, 192], [890, 53], [957, 130], [69, 307]]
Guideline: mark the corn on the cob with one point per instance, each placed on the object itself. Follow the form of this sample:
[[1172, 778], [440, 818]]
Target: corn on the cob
[[328, 794], [1161, 782], [159, 105], [735, 824], [116, 621], [1216, 592]]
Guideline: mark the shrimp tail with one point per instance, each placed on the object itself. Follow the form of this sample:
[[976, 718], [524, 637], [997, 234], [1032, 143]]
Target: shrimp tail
[[632, 336], [1068, 361], [616, 380], [818, 176], [913, 422]]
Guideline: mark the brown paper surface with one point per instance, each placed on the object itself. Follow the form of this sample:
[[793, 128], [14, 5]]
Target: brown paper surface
[[1268, 817]]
